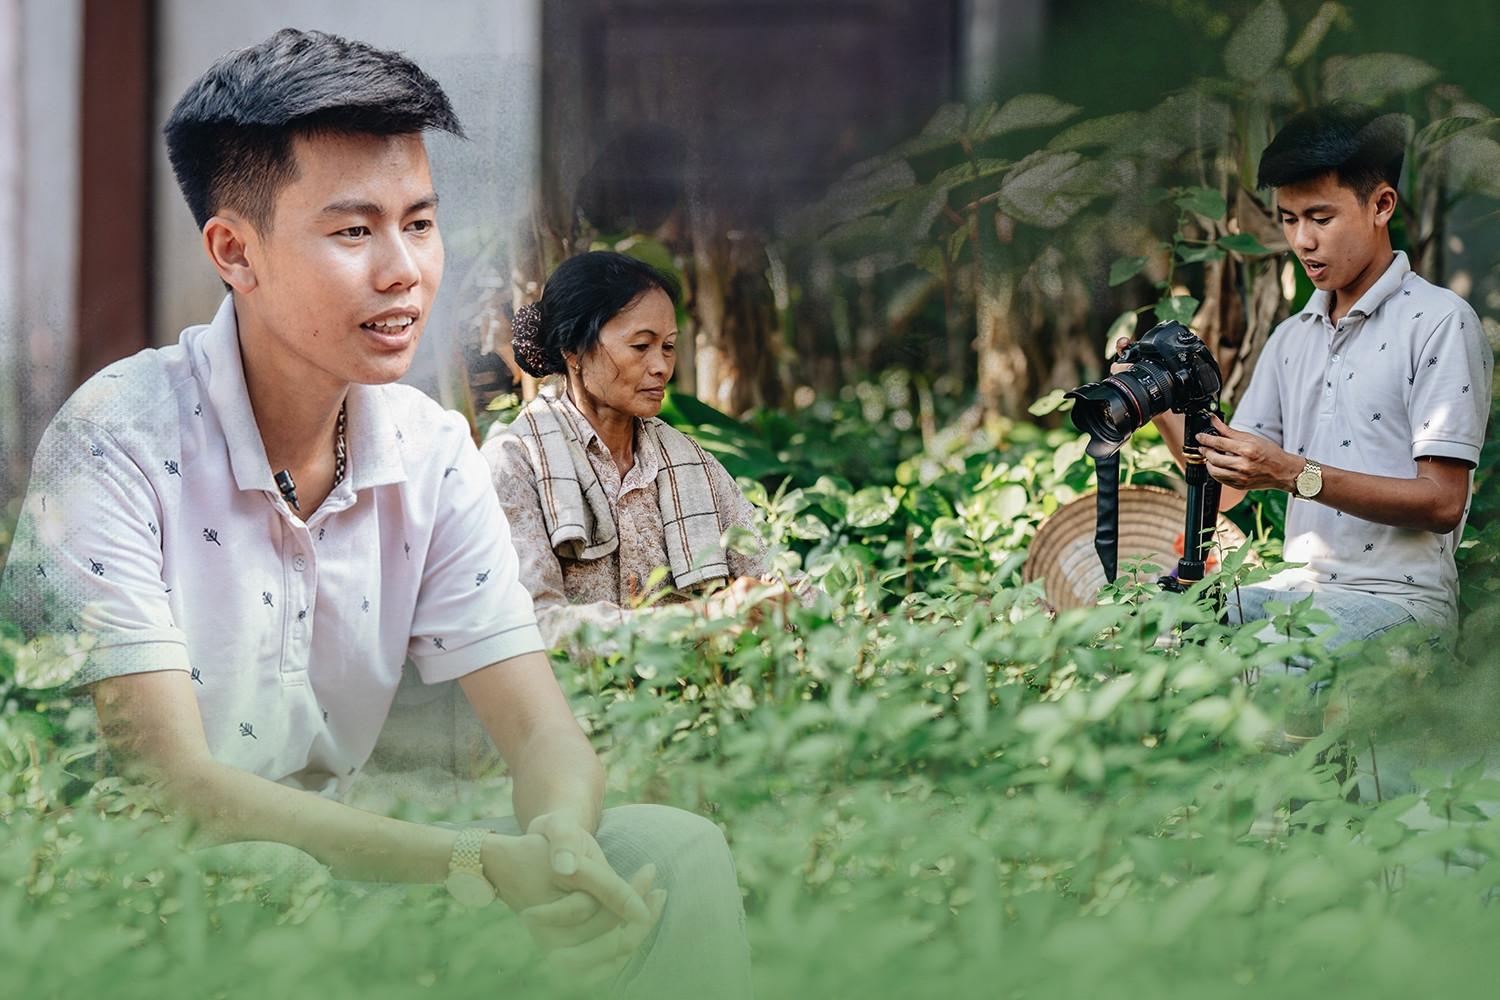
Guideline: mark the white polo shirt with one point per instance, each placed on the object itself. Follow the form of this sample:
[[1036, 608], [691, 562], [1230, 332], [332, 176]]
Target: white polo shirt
[[1405, 375], [153, 537]]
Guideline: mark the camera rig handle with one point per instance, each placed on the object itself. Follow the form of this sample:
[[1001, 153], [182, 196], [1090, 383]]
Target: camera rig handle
[[1203, 497]]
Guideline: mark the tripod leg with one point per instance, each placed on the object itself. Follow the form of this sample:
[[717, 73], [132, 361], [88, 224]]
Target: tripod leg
[[1202, 503]]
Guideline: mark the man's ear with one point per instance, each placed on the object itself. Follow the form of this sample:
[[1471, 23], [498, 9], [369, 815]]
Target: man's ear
[[226, 239], [1385, 200]]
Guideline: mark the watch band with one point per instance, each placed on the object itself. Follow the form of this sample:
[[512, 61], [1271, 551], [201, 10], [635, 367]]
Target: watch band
[[466, 881]]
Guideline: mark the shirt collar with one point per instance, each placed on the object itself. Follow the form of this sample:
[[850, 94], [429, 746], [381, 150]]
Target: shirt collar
[[1389, 282], [372, 438]]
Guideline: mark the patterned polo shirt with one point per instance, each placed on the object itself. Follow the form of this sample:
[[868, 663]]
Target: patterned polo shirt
[[153, 537], [1405, 375]]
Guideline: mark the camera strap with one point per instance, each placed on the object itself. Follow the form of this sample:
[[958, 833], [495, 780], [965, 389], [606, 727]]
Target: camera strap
[[1107, 514]]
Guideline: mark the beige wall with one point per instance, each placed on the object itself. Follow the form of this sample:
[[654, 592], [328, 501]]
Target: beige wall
[[40, 44]]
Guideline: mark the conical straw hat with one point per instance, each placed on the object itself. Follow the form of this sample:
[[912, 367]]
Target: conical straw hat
[[1151, 520]]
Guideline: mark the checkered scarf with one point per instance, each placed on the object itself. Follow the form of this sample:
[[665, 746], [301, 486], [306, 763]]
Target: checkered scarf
[[575, 508]]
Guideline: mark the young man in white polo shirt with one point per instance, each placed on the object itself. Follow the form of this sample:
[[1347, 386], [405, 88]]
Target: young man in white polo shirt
[[237, 541], [1368, 406]]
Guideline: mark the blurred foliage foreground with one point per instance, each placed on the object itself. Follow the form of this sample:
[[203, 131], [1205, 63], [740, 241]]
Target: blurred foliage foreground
[[932, 786]]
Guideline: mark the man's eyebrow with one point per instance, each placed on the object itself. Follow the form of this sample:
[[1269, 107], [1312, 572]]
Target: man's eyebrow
[[1308, 210], [356, 207]]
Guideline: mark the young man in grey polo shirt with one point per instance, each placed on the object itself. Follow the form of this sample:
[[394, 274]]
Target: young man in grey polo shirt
[[1368, 406], [234, 543]]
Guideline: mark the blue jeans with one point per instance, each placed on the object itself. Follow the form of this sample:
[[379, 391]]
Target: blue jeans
[[1355, 616]]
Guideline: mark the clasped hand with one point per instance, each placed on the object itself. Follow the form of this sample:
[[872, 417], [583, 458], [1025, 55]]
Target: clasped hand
[[571, 901]]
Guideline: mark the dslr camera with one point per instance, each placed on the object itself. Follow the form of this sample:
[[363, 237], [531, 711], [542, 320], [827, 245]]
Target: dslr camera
[[1172, 370]]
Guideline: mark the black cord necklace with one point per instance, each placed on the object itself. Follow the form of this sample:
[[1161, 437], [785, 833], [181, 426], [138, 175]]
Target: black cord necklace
[[340, 463]]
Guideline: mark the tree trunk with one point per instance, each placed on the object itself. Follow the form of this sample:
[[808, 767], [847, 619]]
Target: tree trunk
[[1002, 363], [1266, 308], [739, 363]]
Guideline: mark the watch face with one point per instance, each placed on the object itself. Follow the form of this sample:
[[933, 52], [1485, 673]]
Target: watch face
[[1309, 482], [470, 888]]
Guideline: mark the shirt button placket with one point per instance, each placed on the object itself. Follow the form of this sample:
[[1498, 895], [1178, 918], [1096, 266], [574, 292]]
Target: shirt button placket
[[1330, 378], [302, 596]]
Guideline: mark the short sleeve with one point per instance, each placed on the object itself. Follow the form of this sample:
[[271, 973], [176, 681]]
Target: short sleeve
[[1450, 390], [472, 610], [1259, 411], [84, 578]]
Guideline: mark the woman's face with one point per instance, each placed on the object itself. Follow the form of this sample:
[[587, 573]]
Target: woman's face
[[627, 370]]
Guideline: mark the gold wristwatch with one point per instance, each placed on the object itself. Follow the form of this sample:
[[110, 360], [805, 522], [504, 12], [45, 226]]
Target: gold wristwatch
[[1309, 481], [466, 882]]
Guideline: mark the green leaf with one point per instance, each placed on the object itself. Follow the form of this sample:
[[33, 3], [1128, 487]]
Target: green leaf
[[1126, 268], [1008, 501], [742, 540], [911, 222], [1027, 111], [943, 129], [872, 506], [959, 173], [1105, 131], [1243, 243], [856, 238], [1312, 35], [1470, 164], [1438, 132], [808, 526], [989, 166], [956, 242], [866, 187], [1204, 201], [1045, 189], [1047, 403], [1429, 778], [1257, 44], [1178, 307], [979, 118], [1375, 75], [930, 259], [1191, 254]]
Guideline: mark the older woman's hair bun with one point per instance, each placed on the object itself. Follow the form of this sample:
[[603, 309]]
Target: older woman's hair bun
[[526, 343]]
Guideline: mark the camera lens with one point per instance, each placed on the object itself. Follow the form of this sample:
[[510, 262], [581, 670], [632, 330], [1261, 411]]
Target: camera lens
[[1111, 410]]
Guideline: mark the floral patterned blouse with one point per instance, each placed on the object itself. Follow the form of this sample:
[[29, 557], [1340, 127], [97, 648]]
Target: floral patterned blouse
[[570, 592]]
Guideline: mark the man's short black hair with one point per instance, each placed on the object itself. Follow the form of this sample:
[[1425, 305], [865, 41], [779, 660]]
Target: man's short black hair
[[1357, 144], [230, 136]]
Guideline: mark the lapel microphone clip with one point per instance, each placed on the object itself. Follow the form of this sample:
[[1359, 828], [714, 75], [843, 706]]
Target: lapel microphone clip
[[288, 488]]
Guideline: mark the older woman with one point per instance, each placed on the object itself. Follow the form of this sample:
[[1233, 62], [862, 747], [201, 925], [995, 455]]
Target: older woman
[[599, 491]]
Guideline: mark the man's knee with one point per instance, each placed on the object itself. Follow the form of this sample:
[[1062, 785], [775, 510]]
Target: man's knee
[[665, 826]]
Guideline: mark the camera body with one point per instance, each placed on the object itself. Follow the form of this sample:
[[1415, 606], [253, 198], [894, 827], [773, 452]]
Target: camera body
[[1171, 369]]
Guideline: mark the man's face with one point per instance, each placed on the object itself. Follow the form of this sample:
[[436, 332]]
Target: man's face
[[1342, 242], [344, 280]]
